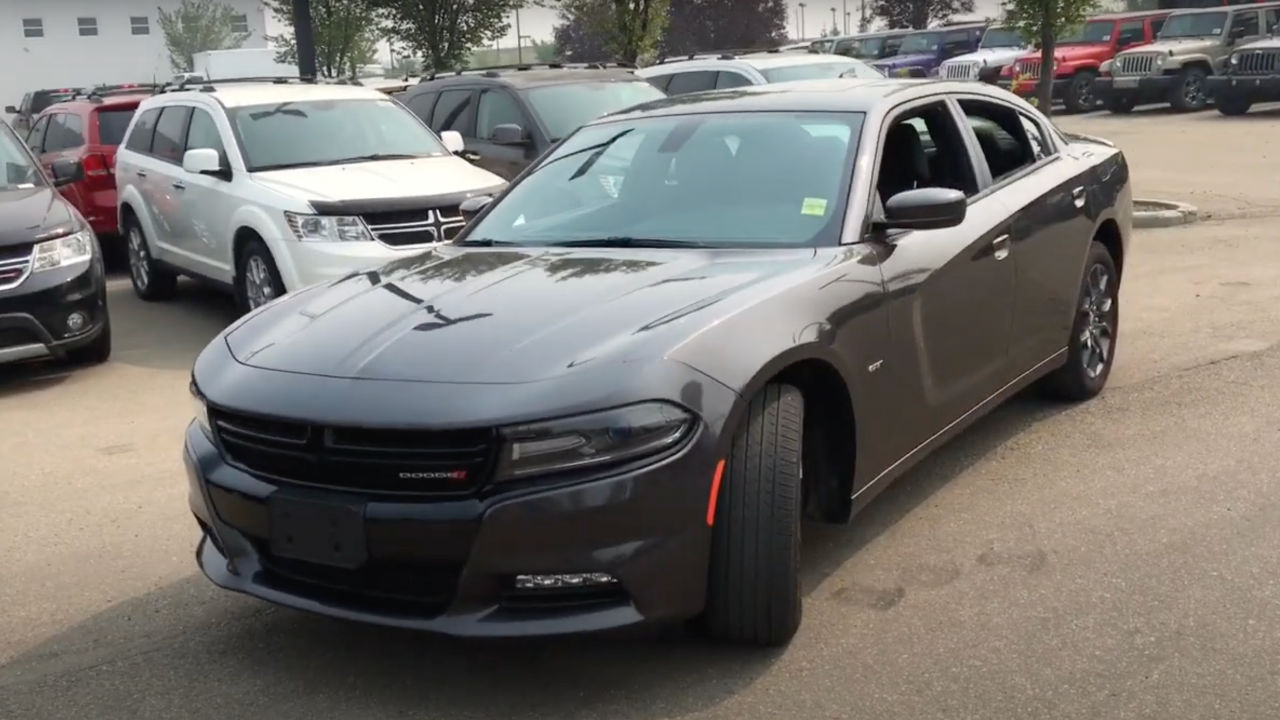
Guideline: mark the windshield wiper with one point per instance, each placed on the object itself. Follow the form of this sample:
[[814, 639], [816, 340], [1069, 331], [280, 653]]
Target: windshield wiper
[[289, 166], [624, 241], [375, 156], [483, 242]]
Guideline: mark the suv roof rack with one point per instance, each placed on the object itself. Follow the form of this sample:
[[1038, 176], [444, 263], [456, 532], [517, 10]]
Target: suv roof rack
[[205, 85], [98, 92], [494, 71], [735, 53]]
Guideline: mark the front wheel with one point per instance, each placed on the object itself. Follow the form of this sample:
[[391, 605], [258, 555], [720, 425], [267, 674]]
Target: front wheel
[[753, 588], [1188, 95], [1092, 345], [1234, 105], [258, 279], [1081, 94]]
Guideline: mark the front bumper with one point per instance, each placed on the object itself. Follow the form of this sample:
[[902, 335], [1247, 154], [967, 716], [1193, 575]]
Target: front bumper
[[1138, 90], [1254, 88], [1030, 88], [33, 315], [307, 263]]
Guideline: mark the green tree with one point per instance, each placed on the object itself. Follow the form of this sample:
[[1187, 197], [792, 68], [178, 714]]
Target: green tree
[[1041, 22], [443, 32], [545, 51], [196, 26], [631, 29], [705, 25], [345, 32], [919, 14]]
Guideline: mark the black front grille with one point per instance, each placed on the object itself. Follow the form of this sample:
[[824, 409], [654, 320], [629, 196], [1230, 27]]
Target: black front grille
[[416, 589], [13, 337], [398, 462], [15, 252], [416, 227], [1256, 62]]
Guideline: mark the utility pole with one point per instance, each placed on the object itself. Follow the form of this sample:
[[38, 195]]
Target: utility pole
[[834, 25], [304, 37], [802, 35], [863, 23], [519, 48], [844, 5]]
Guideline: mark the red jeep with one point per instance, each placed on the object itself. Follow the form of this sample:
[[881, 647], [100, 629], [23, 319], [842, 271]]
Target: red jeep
[[1078, 56], [86, 129]]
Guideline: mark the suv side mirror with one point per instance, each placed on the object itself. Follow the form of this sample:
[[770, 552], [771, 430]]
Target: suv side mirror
[[11, 109], [472, 206], [1235, 34], [930, 208], [66, 172], [509, 134], [203, 161], [453, 142]]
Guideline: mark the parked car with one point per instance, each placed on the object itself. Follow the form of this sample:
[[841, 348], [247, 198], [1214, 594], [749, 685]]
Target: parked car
[[1079, 57], [579, 416], [1252, 73], [53, 292], [923, 51], [869, 46], [1193, 46], [510, 116], [269, 187], [34, 103], [727, 70], [1000, 46], [86, 131]]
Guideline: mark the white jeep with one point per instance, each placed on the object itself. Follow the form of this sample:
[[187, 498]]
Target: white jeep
[[1000, 46]]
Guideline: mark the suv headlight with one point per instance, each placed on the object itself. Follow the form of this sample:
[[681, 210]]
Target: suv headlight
[[63, 251], [201, 411], [328, 228], [1234, 60], [1160, 59], [587, 441]]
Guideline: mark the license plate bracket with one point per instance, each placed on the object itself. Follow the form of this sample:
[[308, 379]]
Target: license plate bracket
[[1126, 83], [323, 532]]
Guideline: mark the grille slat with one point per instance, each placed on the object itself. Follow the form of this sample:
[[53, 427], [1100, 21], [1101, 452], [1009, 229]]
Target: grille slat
[[15, 264], [1028, 68], [1135, 64], [402, 228], [961, 71], [1257, 62]]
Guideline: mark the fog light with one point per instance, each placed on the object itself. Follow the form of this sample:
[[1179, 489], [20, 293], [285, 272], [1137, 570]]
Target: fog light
[[76, 322], [558, 582]]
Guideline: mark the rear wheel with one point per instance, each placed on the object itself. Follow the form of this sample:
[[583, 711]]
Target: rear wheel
[[1188, 94], [753, 589], [1234, 105], [257, 278], [1092, 345], [150, 281], [1081, 94]]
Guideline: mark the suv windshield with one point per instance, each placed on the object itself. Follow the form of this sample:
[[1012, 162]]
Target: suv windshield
[[1098, 31], [1194, 25], [19, 171], [1002, 37], [564, 108], [821, 71], [917, 43], [44, 98], [765, 179], [329, 132], [860, 47]]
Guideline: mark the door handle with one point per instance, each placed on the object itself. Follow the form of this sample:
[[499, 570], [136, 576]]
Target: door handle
[[141, 173], [1077, 197], [1001, 247], [179, 185]]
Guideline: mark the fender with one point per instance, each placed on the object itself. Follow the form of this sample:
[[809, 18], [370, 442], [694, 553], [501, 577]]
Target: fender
[[131, 197], [1180, 62], [257, 220]]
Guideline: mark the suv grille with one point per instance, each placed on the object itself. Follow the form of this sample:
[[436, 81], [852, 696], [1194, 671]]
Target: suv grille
[[13, 337], [15, 263], [397, 462], [1135, 64], [416, 227], [1028, 68], [1256, 62], [960, 71]]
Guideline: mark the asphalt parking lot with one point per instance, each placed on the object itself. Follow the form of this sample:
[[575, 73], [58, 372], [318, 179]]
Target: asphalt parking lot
[[1111, 560]]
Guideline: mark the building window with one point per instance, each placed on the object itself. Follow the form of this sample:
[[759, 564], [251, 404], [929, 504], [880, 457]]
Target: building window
[[239, 23], [88, 26], [140, 25], [32, 27]]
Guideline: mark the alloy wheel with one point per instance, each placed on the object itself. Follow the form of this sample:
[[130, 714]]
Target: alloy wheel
[[139, 267], [259, 287], [1097, 338], [1084, 92], [1193, 91]]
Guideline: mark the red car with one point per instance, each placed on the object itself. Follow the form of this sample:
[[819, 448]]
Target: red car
[[1079, 56], [86, 129]]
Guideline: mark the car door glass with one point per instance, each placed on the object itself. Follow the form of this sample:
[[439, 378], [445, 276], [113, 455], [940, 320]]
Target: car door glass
[[497, 107], [171, 132], [1130, 33], [731, 80], [922, 148], [1039, 146], [1245, 24], [455, 111], [999, 132], [204, 134], [955, 43], [693, 81], [422, 104], [66, 131], [1156, 25], [35, 138], [1273, 18], [140, 137]]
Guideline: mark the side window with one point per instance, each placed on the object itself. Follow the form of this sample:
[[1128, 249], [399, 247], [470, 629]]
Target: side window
[[891, 46], [66, 131], [25, 107], [691, 82], [497, 107], [1245, 23], [1001, 136], [203, 134], [728, 79], [35, 138], [1273, 18], [455, 111], [924, 148], [955, 43], [422, 104], [1157, 24], [140, 138], [660, 81], [171, 133], [1040, 148], [1131, 33]]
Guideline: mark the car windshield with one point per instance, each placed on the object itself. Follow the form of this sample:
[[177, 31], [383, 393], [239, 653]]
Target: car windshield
[[860, 47], [45, 98], [19, 171], [112, 124], [768, 179], [821, 71], [565, 108], [1002, 37], [1194, 25], [1098, 31], [916, 43], [330, 132]]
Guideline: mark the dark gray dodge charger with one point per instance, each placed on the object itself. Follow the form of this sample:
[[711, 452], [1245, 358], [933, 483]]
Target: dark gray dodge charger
[[690, 325]]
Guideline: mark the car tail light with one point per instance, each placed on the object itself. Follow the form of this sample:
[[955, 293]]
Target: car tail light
[[99, 170]]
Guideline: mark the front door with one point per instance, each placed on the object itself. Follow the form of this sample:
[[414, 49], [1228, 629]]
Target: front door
[[206, 201], [498, 107]]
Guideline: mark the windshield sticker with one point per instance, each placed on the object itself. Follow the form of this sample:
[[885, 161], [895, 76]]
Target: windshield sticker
[[1217, 31], [814, 206], [519, 221], [25, 186]]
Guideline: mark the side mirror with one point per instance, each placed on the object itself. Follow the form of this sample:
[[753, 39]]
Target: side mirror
[[509, 134], [66, 172], [453, 142], [472, 206], [11, 109], [202, 161], [1235, 34], [931, 208]]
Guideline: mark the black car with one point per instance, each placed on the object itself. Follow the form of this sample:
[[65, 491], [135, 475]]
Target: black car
[[53, 297], [34, 103], [510, 116], [612, 399]]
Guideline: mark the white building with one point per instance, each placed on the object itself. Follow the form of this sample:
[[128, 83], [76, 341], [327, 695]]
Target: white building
[[81, 43]]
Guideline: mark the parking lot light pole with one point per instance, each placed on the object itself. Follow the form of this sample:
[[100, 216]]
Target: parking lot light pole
[[303, 33]]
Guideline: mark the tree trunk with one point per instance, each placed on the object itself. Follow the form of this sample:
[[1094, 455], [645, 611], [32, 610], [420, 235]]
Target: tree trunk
[[1044, 92]]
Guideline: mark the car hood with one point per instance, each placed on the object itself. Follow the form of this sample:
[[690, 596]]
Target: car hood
[[898, 61], [990, 56], [27, 214], [1271, 43], [480, 315], [446, 175], [1182, 46]]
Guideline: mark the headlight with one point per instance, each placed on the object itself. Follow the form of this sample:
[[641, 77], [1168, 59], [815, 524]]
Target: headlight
[[201, 411], [53, 254], [1235, 59], [586, 441], [328, 228], [1160, 60]]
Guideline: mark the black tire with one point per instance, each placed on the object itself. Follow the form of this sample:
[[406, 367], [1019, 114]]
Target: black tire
[[1234, 105], [1082, 94], [252, 285], [1080, 378], [1120, 104], [96, 352], [150, 281], [753, 588], [1188, 93]]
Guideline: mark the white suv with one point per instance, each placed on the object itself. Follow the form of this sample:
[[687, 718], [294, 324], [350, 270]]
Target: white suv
[[726, 70], [270, 187]]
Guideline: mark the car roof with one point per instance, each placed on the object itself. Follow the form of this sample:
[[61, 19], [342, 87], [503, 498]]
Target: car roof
[[759, 61], [526, 76], [1128, 15], [1237, 6], [238, 94], [109, 102], [957, 26]]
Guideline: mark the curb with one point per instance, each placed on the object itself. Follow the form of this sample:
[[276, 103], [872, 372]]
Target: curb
[[1170, 214]]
